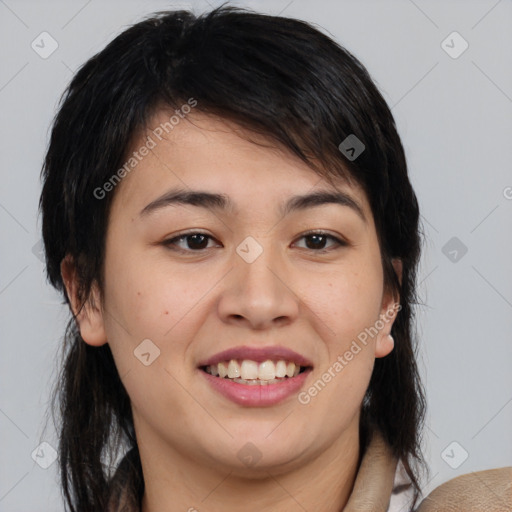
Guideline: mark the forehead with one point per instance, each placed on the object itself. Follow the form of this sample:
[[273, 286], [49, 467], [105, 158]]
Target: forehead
[[208, 153]]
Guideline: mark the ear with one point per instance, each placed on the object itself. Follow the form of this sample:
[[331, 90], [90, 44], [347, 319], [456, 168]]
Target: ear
[[389, 310], [89, 317]]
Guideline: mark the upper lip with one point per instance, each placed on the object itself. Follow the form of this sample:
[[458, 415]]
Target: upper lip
[[257, 354]]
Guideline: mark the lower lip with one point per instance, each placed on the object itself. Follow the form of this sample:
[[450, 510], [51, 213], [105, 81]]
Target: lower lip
[[257, 395]]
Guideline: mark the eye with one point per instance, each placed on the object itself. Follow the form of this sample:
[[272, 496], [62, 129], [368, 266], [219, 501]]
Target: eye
[[318, 239], [196, 241]]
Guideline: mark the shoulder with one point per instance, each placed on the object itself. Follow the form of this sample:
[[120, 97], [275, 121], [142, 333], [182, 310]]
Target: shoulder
[[489, 491]]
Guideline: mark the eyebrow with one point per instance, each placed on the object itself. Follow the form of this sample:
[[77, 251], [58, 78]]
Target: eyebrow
[[215, 201]]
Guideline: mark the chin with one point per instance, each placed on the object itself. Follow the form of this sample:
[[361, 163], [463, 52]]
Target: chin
[[256, 456]]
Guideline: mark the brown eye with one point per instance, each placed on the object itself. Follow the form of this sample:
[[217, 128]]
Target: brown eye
[[193, 242], [317, 240]]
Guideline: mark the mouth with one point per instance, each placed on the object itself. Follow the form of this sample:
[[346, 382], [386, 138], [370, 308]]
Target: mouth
[[252, 373], [256, 377]]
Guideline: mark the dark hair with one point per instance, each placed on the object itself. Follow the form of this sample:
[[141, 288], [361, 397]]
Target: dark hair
[[276, 76]]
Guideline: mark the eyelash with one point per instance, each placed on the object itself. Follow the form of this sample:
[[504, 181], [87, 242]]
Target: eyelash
[[172, 241]]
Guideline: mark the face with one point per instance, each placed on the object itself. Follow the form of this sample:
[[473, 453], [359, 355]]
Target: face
[[186, 281]]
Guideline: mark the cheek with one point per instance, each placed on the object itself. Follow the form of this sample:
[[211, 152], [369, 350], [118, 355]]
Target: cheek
[[347, 301], [144, 303], [149, 296]]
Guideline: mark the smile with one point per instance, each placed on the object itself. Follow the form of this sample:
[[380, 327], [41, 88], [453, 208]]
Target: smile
[[256, 376], [252, 384], [252, 373]]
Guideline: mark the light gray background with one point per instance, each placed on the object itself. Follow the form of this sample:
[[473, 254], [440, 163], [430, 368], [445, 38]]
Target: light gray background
[[454, 117]]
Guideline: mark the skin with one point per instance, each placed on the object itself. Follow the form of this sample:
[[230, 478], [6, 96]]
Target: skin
[[194, 304]]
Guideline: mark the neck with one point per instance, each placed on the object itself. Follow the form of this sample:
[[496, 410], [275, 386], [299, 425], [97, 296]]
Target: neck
[[174, 482]]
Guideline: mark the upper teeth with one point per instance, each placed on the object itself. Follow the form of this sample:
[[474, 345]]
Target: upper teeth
[[249, 370]]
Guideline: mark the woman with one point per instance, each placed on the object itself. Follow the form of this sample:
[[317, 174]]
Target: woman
[[227, 212]]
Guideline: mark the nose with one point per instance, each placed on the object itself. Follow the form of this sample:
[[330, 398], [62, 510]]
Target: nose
[[258, 294]]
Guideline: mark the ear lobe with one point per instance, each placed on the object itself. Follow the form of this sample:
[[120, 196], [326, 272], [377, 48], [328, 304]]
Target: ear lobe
[[390, 308], [89, 316], [384, 345]]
